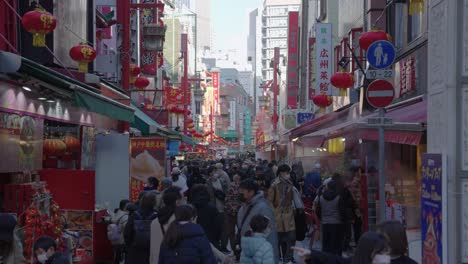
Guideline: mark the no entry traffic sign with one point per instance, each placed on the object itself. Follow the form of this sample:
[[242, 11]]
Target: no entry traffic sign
[[380, 93]]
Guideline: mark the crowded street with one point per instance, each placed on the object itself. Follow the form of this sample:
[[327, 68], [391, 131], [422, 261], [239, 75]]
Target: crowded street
[[233, 131]]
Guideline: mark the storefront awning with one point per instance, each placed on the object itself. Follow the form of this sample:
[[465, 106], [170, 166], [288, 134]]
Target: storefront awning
[[187, 140], [144, 123], [391, 136], [82, 94]]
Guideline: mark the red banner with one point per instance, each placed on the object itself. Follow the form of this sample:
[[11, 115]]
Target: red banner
[[150, 60], [215, 83], [174, 96], [148, 159], [293, 47]]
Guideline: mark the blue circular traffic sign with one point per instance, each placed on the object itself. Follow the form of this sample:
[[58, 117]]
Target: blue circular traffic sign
[[381, 54]]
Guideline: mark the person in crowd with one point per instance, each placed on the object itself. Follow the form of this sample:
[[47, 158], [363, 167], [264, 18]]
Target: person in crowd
[[208, 215], [331, 219], [298, 171], [45, 249], [217, 193], [115, 231], [356, 191], [185, 242], [275, 166], [11, 249], [232, 206], [152, 184], [395, 234], [233, 169], [137, 234], [197, 178], [255, 248], [254, 203], [222, 175], [372, 248], [172, 198], [179, 180], [312, 182], [166, 183], [281, 195]]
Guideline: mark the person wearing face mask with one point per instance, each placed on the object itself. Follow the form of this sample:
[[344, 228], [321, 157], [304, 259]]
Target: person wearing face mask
[[281, 197], [46, 252], [11, 250], [185, 241], [255, 248], [254, 203]]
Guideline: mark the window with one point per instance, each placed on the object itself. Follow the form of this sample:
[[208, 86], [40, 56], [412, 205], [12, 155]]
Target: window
[[403, 27]]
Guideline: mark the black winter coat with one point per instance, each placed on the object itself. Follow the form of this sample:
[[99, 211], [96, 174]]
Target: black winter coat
[[193, 248], [208, 216], [136, 255]]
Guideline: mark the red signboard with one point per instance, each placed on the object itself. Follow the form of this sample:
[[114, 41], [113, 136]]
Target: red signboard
[[311, 68], [215, 83], [293, 47], [407, 75], [380, 93]]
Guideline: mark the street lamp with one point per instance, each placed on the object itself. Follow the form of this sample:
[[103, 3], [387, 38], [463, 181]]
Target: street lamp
[[153, 35]]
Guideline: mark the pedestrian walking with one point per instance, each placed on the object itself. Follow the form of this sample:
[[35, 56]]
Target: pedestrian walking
[[395, 234], [222, 175], [11, 249], [185, 241], [179, 180], [312, 182], [137, 233], [116, 229], [254, 203], [255, 248], [232, 206], [281, 197], [166, 183]]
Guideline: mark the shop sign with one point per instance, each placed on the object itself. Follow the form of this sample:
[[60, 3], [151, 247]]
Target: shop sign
[[304, 117], [433, 209], [323, 58], [247, 128], [311, 66], [148, 159], [232, 115], [215, 84], [260, 137], [293, 47], [289, 119], [405, 77]]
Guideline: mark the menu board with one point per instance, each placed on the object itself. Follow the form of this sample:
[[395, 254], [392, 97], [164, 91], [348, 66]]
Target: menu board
[[21, 141]]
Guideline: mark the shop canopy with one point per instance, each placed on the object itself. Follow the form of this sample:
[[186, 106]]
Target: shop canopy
[[83, 95], [146, 124]]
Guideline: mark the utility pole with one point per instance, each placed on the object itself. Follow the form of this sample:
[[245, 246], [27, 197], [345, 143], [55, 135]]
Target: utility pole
[[184, 83], [275, 90]]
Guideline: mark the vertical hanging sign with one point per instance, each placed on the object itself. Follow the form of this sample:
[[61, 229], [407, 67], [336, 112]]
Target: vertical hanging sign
[[215, 84], [293, 47], [311, 66], [323, 58]]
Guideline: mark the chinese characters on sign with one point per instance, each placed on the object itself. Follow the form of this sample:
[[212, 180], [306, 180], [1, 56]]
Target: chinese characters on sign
[[407, 76], [232, 115], [292, 76], [432, 208], [323, 51], [215, 84], [311, 66]]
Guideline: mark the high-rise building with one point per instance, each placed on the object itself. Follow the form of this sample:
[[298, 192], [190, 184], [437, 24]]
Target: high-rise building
[[203, 10], [254, 53]]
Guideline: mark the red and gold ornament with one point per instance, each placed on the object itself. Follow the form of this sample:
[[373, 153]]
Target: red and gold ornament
[[342, 80], [369, 37], [134, 72], [323, 101], [39, 23], [83, 54], [141, 83]]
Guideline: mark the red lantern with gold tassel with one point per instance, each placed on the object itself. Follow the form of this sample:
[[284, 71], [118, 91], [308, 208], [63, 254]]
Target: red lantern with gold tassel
[[141, 83], [323, 101], [83, 54], [342, 80], [134, 72], [39, 23], [367, 38]]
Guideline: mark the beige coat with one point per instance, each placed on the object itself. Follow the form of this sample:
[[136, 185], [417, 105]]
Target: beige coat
[[157, 238], [282, 205]]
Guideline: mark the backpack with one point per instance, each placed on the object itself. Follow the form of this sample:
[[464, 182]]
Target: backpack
[[114, 233], [142, 229]]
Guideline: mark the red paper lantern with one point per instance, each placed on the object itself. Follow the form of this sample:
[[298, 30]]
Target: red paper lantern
[[72, 143], [367, 38], [83, 54], [134, 72], [54, 147], [141, 83], [39, 23], [189, 120], [342, 81], [323, 101]]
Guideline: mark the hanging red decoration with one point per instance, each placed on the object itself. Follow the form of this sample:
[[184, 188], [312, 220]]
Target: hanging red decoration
[[54, 147], [141, 83], [189, 120], [134, 72], [83, 54], [367, 38], [188, 112], [323, 101], [342, 81], [182, 148], [72, 143], [39, 23]]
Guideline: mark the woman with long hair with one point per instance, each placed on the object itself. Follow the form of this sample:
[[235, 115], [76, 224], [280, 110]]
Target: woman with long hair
[[185, 242], [395, 233]]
